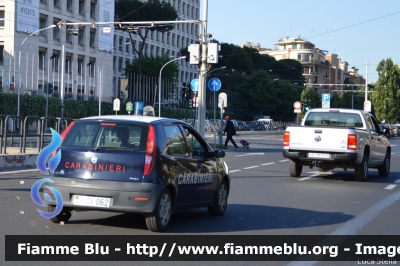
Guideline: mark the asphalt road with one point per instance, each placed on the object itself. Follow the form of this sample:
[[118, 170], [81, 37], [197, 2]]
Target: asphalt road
[[264, 200]]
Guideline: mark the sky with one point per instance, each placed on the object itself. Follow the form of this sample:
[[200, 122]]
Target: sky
[[357, 31]]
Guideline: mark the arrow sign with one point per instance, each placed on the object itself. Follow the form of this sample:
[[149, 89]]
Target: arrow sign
[[214, 84], [195, 84]]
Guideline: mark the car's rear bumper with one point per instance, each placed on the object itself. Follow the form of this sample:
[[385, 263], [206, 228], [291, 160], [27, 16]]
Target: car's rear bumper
[[124, 196], [333, 157]]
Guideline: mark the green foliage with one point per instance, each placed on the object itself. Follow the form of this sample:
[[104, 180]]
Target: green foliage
[[386, 99], [151, 66], [315, 98]]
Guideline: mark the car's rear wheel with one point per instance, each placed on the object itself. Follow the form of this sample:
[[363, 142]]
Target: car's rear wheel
[[361, 170], [159, 220], [295, 168], [384, 168], [220, 201], [63, 216]]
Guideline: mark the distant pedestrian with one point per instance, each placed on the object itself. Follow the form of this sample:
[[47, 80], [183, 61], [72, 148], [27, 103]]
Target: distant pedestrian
[[230, 131]]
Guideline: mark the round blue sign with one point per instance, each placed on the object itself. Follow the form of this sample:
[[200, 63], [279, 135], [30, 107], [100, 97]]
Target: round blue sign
[[195, 84], [214, 84]]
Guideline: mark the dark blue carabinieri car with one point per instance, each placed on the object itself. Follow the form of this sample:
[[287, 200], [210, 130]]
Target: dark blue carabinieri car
[[139, 164]]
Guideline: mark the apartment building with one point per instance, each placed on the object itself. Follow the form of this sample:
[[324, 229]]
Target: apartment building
[[323, 72], [26, 30]]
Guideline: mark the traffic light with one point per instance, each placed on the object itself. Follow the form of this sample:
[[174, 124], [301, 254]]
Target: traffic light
[[306, 104], [29, 101], [185, 93]]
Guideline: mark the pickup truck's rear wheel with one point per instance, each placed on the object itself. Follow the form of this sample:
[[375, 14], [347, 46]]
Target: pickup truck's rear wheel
[[361, 170], [295, 168], [384, 169]]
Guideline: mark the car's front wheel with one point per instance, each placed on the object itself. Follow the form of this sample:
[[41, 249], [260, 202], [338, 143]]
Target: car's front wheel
[[384, 168], [220, 201], [159, 220]]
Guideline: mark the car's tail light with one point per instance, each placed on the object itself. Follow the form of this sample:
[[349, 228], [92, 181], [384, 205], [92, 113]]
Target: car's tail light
[[286, 138], [351, 141], [64, 133], [150, 155]]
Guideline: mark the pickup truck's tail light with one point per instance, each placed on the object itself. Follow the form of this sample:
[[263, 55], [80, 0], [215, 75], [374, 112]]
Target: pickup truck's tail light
[[150, 155], [286, 138], [351, 141]]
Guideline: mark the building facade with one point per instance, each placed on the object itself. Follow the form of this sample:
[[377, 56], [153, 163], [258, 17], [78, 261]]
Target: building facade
[[322, 71], [89, 50]]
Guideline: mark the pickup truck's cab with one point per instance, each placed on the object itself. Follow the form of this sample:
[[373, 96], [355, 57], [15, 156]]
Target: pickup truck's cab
[[337, 138]]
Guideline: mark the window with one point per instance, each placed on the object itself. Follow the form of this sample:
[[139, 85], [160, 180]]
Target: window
[[68, 63], [176, 144], [56, 30], [127, 46], [68, 36], [120, 64], [80, 64], [1, 54], [93, 9], [91, 64], [152, 50], [81, 36], [42, 25], [114, 62], [57, 3], [69, 5], [168, 36], [55, 59], [92, 37], [42, 58], [1, 18], [81, 7], [121, 41]]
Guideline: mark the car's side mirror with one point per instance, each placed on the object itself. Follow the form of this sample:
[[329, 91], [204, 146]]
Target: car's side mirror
[[219, 154], [384, 130]]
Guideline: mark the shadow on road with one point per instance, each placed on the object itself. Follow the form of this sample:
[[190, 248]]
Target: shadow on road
[[238, 218]]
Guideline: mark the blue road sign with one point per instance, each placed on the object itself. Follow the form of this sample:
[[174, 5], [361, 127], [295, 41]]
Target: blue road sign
[[214, 84], [326, 97], [195, 84]]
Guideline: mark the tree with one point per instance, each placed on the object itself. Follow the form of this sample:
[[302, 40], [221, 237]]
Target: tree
[[152, 65], [136, 10], [386, 98], [315, 98]]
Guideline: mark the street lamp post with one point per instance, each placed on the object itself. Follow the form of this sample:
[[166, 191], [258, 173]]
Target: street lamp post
[[19, 64], [101, 74], [215, 136], [159, 83]]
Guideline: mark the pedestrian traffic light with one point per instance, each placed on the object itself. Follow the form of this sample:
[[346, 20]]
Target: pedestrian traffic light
[[29, 101]]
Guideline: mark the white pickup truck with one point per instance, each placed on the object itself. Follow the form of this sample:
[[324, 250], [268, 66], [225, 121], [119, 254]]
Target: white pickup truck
[[337, 138]]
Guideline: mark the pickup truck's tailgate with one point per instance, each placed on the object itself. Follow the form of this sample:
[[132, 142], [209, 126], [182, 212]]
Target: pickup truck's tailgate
[[318, 139]]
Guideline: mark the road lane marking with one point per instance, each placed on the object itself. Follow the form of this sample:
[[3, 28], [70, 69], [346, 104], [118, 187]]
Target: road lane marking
[[307, 177], [391, 187], [281, 161], [19, 171], [267, 163], [250, 167], [248, 154], [352, 226], [232, 171]]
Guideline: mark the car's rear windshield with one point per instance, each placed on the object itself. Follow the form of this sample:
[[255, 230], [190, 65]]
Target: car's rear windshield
[[340, 119], [107, 135]]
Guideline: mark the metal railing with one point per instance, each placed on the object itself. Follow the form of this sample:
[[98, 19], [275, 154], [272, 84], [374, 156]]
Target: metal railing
[[12, 126]]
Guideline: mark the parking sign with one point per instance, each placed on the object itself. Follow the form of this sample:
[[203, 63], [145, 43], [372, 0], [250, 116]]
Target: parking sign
[[326, 97]]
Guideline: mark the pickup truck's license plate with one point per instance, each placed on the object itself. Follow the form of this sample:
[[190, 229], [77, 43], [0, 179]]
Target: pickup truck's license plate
[[318, 155], [91, 201]]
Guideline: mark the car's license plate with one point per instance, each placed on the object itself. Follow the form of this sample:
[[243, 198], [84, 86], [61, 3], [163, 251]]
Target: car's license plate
[[318, 155], [91, 201]]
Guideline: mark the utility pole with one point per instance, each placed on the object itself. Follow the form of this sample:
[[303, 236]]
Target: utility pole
[[202, 86]]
